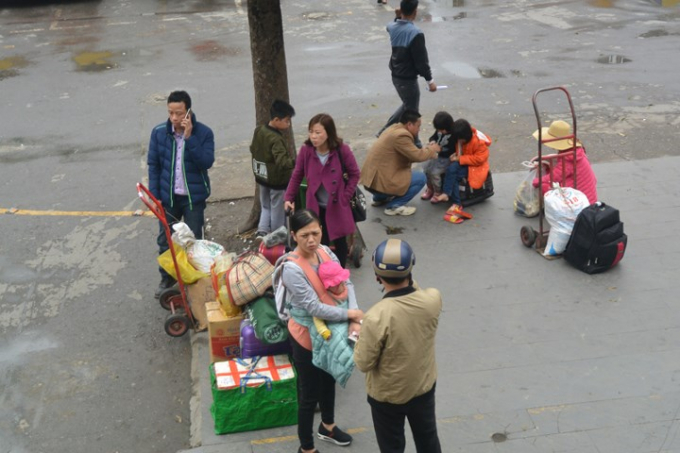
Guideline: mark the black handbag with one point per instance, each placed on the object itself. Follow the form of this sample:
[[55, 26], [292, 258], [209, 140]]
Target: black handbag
[[358, 201]]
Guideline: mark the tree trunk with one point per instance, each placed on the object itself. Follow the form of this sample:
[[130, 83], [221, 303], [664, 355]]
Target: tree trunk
[[270, 75]]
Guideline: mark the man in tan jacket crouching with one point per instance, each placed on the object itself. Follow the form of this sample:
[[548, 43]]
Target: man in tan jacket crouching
[[396, 351], [387, 173]]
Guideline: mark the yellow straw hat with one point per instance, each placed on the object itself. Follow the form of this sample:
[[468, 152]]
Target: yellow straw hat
[[557, 129]]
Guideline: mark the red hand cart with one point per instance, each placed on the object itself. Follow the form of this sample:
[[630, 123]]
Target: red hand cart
[[175, 298]]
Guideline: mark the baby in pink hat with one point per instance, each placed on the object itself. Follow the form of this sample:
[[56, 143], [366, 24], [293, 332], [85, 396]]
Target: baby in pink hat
[[333, 277]]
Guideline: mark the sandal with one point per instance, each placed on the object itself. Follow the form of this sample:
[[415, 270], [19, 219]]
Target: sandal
[[427, 195], [457, 210], [439, 198], [452, 218]]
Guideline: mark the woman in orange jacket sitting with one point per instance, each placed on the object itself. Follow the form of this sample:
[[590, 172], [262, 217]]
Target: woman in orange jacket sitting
[[471, 161]]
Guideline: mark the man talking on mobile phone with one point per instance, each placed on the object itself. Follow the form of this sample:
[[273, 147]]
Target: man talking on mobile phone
[[181, 151]]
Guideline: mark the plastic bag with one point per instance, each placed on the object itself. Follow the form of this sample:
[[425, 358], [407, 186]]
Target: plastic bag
[[202, 254], [562, 206], [527, 201], [188, 272], [220, 267], [183, 236]]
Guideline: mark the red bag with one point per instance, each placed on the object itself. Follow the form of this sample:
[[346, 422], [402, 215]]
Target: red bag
[[274, 253]]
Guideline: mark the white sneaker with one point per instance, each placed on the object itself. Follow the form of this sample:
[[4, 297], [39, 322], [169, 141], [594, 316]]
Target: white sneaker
[[401, 210]]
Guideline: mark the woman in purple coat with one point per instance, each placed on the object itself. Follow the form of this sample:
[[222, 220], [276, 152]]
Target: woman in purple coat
[[323, 160]]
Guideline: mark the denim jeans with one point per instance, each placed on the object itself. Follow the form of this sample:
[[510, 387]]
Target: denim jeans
[[418, 180], [314, 386], [409, 93], [181, 212], [454, 174], [272, 215], [389, 419]]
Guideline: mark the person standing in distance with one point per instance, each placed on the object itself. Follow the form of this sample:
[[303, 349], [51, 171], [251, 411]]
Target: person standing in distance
[[181, 151], [396, 351], [408, 61]]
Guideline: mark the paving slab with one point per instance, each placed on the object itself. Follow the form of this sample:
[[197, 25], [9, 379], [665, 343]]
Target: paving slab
[[554, 359]]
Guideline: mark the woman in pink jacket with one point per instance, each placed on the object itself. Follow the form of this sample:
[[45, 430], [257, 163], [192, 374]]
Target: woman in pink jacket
[[563, 171], [323, 159]]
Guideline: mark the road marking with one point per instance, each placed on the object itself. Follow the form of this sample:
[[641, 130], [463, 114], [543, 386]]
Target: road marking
[[138, 213], [275, 440]]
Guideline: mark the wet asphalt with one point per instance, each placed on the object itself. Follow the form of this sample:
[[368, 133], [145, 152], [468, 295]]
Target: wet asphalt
[[85, 364]]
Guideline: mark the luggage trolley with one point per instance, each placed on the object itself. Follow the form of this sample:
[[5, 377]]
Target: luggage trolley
[[528, 235], [173, 299]]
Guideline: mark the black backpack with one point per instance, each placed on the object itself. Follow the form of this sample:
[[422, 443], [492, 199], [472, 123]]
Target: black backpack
[[597, 242]]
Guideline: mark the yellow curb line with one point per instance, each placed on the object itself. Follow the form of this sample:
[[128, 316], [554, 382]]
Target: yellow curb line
[[274, 440], [139, 213]]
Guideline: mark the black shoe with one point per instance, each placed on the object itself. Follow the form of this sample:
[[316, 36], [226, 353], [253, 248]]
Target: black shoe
[[300, 450], [337, 436], [166, 282]]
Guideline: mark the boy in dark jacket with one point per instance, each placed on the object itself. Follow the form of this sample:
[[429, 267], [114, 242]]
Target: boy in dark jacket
[[181, 151], [272, 166]]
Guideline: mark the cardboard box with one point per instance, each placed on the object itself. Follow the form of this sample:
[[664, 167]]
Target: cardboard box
[[201, 293], [229, 374], [224, 333]]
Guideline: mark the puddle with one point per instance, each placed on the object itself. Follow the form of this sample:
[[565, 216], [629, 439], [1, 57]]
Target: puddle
[[451, 3], [212, 51], [393, 230], [316, 16], [94, 61], [613, 59], [9, 66], [602, 3], [431, 18], [490, 73], [654, 34]]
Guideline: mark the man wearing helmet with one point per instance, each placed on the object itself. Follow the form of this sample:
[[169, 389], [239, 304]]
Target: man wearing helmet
[[396, 351]]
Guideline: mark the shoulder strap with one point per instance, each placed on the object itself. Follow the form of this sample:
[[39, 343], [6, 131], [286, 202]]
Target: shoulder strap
[[345, 176], [312, 276]]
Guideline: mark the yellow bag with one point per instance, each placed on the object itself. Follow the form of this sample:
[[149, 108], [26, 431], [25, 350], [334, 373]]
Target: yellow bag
[[222, 264], [189, 273]]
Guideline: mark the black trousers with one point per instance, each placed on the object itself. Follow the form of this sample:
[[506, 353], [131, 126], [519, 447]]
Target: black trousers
[[341, 249], [314, 386], [388, 421]]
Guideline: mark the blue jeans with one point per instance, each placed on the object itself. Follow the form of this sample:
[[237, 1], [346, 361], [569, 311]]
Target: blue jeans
[[409, 93], [181, 212], [454, 174], [418, 180]]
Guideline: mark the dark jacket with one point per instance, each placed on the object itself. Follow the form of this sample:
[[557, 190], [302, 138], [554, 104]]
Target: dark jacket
[[409, 55], [447, 143], [272, 163], [199, 156]]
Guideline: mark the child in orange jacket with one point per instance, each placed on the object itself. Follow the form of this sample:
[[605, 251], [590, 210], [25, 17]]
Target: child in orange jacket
[[471, 161]]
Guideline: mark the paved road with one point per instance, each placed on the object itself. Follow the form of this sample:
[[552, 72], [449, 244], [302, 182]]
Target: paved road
[[84, 359]]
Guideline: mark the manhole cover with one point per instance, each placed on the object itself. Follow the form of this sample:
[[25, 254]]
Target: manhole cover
[[613, 59], [499, 437]]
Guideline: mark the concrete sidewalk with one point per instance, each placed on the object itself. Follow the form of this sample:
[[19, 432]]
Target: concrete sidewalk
[[544, 356]]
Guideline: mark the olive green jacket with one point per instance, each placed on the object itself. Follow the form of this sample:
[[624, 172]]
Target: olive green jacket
[[272, 163]]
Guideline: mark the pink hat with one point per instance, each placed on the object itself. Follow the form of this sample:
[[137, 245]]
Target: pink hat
[[332, 274]]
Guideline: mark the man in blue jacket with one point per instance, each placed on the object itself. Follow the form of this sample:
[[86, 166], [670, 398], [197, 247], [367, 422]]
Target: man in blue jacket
[[181, 151], [408, 61]]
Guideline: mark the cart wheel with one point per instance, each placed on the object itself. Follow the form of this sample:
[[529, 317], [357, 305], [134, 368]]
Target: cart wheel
[[167, 296], [357, 254], [528, 236], [176, 325]]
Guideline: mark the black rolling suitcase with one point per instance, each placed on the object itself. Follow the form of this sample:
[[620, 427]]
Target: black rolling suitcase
[[597, 242]]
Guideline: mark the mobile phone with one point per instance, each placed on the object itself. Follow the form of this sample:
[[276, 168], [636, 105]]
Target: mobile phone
[[188, 113]]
